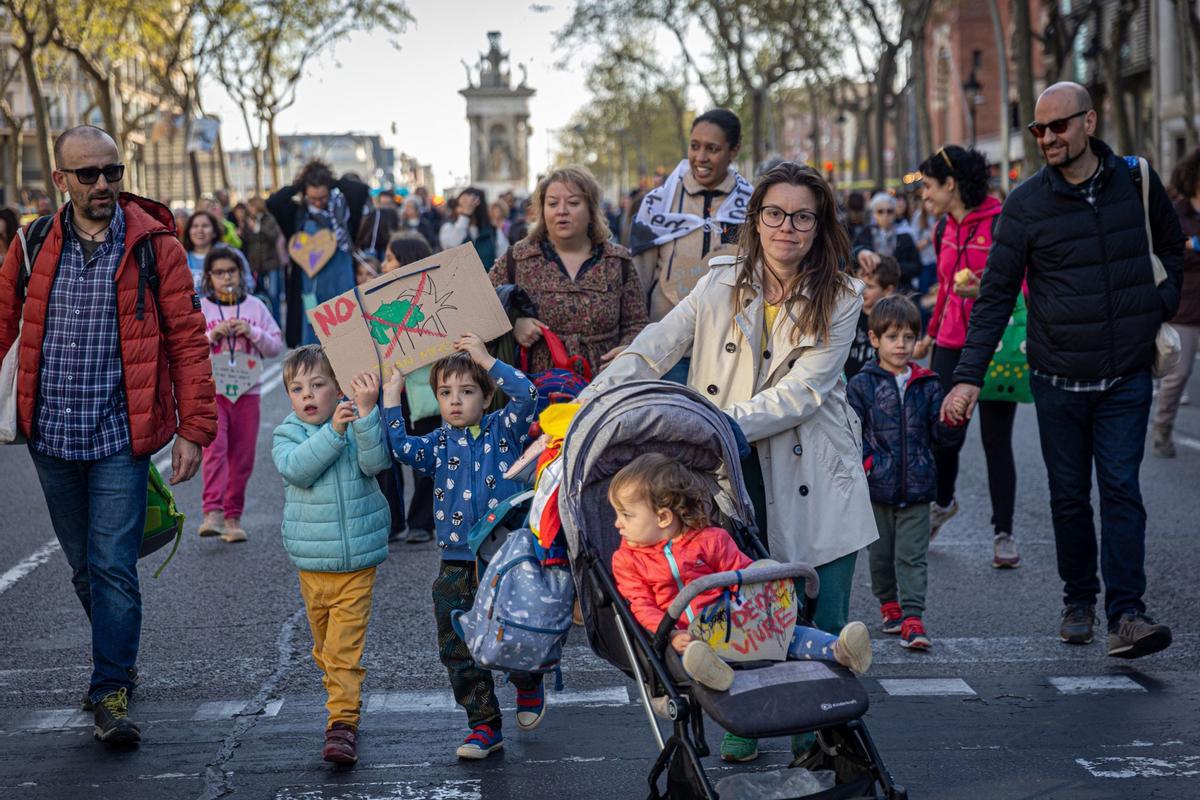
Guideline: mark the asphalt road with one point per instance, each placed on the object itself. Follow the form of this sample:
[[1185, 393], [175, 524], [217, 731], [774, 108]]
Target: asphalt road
[[230, 702]]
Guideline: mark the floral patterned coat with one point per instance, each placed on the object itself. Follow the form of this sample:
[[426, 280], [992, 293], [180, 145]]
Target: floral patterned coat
[[604, 307]]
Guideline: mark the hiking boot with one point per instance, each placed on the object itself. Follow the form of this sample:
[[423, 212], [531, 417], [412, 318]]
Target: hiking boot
[[1004, 552], [419, 536], [892, 615], [531, 707], [1137, 635], [738, 750], [480, 743], [112, 722], [233, 530], [213, 523], [853, 648], [341, 744], [1161, 442], [1078, 623], [940, 515], [706, 667], [913, 636], [134, 680]]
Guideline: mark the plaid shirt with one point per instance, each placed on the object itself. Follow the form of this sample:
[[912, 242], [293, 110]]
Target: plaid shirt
[[1075, 385], [81, 414]]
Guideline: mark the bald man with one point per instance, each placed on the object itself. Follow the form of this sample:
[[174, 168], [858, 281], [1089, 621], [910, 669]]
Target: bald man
[[1076, 231], [109, 370]]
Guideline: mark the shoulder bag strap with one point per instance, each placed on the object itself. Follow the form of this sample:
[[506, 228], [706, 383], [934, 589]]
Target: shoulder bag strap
[[1160, 272]]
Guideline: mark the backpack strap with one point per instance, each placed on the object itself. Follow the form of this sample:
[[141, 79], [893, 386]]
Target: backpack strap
[[511, 265], [938, 232], [32, 238], [147, 262]]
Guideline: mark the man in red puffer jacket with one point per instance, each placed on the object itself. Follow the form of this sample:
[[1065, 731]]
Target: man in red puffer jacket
[[109, 369]]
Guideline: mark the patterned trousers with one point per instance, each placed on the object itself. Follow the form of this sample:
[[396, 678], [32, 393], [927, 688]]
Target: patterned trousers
[[454, 590]]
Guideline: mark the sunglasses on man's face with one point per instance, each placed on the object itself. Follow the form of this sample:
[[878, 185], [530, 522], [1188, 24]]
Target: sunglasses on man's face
[[1057, 126], [113, 173]]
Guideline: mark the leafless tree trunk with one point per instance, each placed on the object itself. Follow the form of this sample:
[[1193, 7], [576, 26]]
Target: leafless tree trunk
[[1110, 60], [1189, 52], [1023, 52]]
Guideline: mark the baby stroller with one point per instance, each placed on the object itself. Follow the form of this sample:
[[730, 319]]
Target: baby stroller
[[767, 698]]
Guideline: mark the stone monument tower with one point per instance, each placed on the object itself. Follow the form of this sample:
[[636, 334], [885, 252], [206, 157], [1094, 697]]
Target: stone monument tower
[[498, 113]]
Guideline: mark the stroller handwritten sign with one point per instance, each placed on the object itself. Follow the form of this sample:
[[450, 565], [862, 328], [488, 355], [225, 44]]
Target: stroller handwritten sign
[[409, 317], [754, 623]]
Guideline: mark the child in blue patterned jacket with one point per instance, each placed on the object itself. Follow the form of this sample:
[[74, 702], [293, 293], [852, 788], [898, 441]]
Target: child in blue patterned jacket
[[335, 524], [467, 457]]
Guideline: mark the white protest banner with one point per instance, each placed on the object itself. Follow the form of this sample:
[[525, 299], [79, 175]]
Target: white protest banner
[[235, 373], [755, 625], [409, 317]]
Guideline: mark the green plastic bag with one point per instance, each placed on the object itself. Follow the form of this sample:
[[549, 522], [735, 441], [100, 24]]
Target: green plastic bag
[[164, 522], [1007, 376]]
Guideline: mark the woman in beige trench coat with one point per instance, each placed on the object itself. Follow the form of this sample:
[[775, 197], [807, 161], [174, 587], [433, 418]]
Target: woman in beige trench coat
[[768, 334]]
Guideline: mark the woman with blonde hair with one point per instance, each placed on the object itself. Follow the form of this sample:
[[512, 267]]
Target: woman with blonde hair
[[768, 332], [585, 288]]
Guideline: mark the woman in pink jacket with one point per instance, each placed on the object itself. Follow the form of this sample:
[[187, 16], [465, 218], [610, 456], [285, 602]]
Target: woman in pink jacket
[[237, 322], [956, 185]]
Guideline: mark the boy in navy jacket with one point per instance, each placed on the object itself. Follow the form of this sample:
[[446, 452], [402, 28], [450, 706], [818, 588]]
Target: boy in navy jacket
[[467, 457], [899, 403]]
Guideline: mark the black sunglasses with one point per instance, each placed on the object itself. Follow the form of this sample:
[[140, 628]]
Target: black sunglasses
[[112, 173], [1038, 129]]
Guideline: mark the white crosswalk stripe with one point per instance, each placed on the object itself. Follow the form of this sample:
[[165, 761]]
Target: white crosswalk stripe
[[925, 687], [1095, 684]]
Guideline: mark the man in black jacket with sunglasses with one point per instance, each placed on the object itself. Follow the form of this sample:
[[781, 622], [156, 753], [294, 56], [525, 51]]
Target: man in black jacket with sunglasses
[[1076, 231]]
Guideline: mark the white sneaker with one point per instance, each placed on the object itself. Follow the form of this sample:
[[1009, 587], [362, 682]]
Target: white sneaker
[[706, 667], [853, 648], [940, 515]]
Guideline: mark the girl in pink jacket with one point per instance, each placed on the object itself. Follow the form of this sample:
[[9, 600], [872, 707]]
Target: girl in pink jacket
[[956, 187], [667, 542], [237, 322]]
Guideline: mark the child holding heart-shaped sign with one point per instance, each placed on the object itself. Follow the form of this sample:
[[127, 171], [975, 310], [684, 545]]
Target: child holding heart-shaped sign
[[242, 332]]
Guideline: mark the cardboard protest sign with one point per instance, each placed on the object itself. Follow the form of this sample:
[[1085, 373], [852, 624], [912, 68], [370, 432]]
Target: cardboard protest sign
[[755, 625], [686, 273], [410, 317], [235, 373], [312, 251]]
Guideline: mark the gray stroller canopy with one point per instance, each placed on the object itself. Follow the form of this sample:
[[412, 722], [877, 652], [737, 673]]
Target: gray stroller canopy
[[641, 417]]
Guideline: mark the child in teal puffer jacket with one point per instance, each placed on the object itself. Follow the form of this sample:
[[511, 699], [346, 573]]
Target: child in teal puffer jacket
[[335, 524]]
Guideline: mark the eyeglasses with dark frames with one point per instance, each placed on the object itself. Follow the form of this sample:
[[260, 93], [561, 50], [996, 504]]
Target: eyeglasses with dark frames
[[1057, 126], [803, 221], [112, 173]]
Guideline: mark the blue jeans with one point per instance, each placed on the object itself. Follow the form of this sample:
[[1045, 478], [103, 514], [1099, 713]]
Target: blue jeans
[[1108, 429], [271, 287], [98, 510]]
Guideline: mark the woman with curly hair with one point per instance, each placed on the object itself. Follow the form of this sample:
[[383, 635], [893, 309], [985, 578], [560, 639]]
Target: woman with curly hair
[[1185, 187], [956, 186], [316, 201]]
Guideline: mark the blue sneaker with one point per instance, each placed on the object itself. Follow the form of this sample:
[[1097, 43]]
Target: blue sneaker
[[531, 707], [481, 743]]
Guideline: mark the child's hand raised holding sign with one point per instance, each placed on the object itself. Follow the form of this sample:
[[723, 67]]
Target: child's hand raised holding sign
[[365, 387], [393, 389], [471, 343]]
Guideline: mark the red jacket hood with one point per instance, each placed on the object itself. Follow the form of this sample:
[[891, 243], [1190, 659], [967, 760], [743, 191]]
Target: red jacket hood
[[989, 208], [144, 216]]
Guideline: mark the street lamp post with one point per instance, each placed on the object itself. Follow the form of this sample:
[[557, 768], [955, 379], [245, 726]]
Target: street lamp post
[[973, 94]]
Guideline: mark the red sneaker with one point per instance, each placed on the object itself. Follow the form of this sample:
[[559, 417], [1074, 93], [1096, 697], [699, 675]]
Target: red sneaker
[[891, 616], [913, 636]]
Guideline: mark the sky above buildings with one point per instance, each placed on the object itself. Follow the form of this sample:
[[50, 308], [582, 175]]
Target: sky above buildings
[[365, 84]]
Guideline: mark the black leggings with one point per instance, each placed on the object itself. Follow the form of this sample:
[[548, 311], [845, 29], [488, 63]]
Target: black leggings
[[996, 427]]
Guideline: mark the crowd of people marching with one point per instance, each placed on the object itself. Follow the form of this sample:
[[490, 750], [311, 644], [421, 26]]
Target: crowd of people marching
[[850, 339]]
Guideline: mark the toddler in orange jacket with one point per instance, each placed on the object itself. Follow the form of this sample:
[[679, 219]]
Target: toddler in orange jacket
[[667, 541]]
